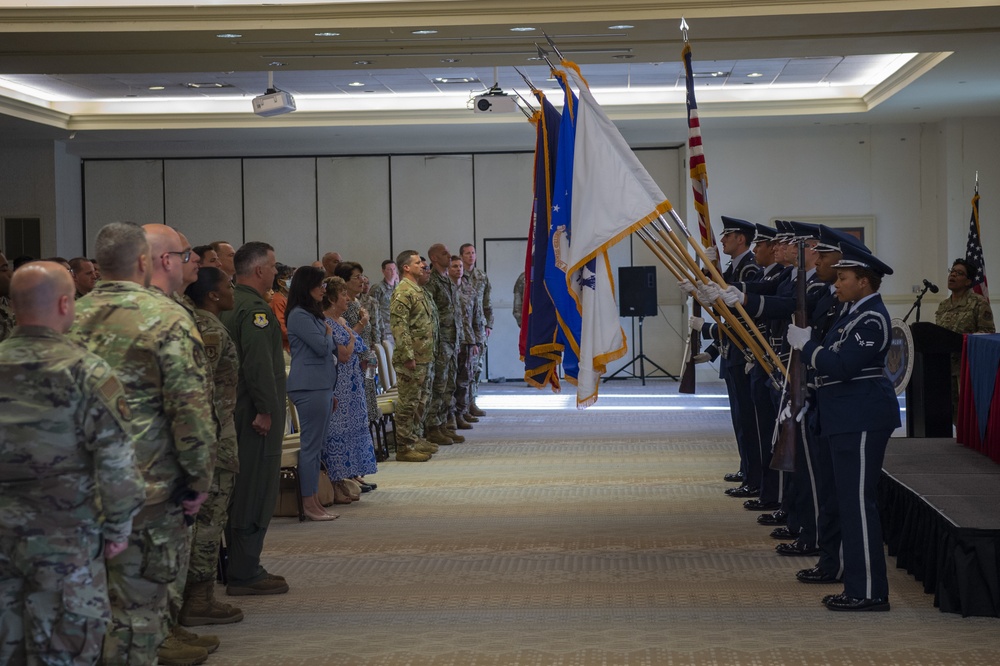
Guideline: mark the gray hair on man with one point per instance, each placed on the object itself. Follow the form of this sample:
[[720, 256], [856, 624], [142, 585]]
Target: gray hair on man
[[250, 255], [117, 246]]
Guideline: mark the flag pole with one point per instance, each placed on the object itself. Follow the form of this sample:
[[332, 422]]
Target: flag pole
[[734, 329], [679, 272], [756, 340]]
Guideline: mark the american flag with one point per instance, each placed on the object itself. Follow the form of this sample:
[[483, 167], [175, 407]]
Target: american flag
[[974, 250], [696, 155]]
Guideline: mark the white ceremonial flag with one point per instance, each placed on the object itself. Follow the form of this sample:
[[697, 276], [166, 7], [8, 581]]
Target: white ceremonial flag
[[613, 196]]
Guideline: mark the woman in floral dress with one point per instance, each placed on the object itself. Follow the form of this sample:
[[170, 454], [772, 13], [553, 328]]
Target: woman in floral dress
[[349, 451]]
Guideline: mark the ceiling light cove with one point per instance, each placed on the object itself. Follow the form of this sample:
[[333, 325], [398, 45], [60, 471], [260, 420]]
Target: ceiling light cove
[[423, 32], [326, 34], [523, 29], [229, 35]]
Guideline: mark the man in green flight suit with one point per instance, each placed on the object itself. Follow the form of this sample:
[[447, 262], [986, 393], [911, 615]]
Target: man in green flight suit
[[259, 418]]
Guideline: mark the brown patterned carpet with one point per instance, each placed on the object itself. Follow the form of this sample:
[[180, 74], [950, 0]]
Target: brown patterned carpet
[[562, 538]]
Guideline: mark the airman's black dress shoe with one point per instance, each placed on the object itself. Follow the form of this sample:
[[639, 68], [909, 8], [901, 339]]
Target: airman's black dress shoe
[[734, 477], [758, 505], [778, 517], [796, 548], [784, 533], [817, 575], [743, 491], [846, 603]]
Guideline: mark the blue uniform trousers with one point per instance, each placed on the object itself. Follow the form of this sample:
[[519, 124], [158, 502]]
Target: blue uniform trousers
[[857, 466]]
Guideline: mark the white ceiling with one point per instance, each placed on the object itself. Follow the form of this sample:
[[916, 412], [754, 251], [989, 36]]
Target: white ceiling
[[87, 71]]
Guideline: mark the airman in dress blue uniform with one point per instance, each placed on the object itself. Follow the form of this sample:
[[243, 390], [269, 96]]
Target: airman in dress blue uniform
[[857, 412]]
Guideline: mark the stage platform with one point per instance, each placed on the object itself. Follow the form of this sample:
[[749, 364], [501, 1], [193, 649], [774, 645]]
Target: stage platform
[[940, 507]]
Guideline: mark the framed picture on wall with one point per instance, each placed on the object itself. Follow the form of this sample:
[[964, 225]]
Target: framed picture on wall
[[860, 226]]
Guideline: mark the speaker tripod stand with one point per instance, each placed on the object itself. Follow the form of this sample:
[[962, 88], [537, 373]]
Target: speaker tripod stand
[[642, 360]]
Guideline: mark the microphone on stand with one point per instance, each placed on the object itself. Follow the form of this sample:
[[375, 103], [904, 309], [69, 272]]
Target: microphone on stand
[[930, 285]]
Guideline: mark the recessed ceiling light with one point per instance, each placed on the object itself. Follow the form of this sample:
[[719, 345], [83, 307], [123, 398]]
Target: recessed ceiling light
[[533, 58], [327, 34], [211, 84], [228, 35], [624, 56], [156, 87], [355, 84], [131, 95], [460, 79], [275, 64], [424, 32], [523, 29], [754, 75], [620, 27], [362, 62], [451, 60]]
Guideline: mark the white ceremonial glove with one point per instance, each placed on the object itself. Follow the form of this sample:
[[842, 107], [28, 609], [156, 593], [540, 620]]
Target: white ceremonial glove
[[731, 296], [686, 288], [709, 293], [786, 413], [701, 357], [695, 323], [798, 337], [712, 253]]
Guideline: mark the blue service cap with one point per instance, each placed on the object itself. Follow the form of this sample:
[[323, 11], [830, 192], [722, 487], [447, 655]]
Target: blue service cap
[[831, 240], [764, 233], [805, 230], [859, 257], [785, 231], [732, 225]]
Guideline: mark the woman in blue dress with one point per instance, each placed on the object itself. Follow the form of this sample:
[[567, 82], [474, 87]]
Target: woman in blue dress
[[349, 450]]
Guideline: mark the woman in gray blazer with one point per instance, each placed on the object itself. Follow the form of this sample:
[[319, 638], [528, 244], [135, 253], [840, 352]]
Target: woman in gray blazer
[[311, 379]]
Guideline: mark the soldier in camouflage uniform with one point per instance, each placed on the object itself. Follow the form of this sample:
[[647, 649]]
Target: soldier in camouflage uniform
[[482, 283], [154, 347], [68, 479], [259, 419], [412, 320], [211, 295], [470, 316], [445, 296], [6, 313], [382, 294], [964, 311]]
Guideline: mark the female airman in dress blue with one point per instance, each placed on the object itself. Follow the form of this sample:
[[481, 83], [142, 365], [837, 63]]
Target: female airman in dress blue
[[858, 411]]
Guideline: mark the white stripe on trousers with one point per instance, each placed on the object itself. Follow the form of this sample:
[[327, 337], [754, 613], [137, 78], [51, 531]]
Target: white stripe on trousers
[[864, 519]]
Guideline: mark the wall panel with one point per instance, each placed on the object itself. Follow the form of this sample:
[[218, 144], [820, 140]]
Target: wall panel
[[121, 191], [204, 199], [353, 210], [279, 198], [432, 201]]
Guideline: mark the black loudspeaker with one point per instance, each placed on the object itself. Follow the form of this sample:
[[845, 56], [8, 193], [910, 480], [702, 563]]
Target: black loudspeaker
[[637, 291]]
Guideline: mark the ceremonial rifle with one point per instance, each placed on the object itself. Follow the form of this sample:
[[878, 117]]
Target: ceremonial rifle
[[783, 458]]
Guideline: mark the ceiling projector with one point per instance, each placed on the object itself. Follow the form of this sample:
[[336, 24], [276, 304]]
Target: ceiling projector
[[273, 103], [494, 102]]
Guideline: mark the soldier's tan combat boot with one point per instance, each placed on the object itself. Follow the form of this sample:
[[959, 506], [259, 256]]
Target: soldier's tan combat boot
[[470, 418], [201, 607], [174, 653], [406, 454], [462, 423], [423, 446], [475, 411], [436, 435], [450, 428], [206, 642]]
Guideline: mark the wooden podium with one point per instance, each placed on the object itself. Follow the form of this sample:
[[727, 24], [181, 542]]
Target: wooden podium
[[928, 395]]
